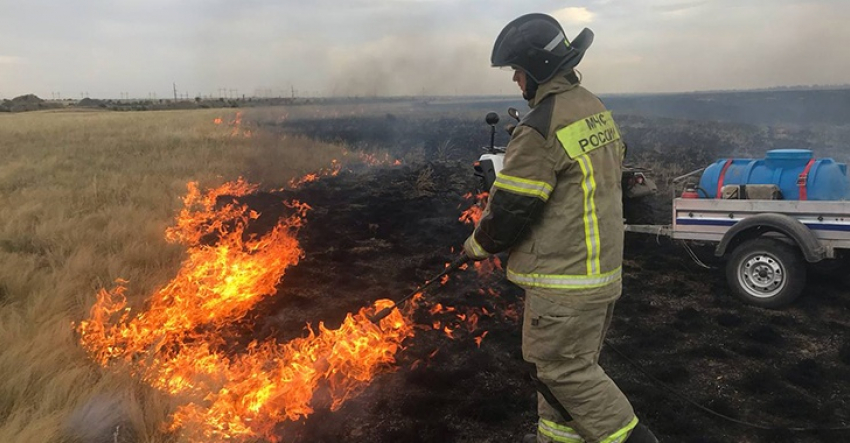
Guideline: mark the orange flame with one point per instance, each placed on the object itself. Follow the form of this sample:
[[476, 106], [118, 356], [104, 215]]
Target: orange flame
[[236, 127], [374, 159], [236, 123], [179, 346], [332, 171], [473, 214]]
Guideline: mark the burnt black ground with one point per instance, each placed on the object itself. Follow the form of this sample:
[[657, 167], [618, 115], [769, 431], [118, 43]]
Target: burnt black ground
[[376, 234], [373, 235]]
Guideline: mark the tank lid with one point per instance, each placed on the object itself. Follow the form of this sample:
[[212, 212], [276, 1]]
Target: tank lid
[[790, 154]]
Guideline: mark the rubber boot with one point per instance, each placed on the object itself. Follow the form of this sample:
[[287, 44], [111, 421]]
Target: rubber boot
[[529, 438], [641, 434]]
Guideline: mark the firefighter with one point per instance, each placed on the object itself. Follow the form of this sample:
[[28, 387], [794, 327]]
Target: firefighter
[[556, 207]]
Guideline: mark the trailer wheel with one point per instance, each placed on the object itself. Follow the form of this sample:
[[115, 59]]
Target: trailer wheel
[[766, 272]]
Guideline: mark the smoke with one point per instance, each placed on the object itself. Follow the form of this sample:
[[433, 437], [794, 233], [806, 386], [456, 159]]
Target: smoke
[[101, 419], [716, 45], [366, 47], [417, 64]]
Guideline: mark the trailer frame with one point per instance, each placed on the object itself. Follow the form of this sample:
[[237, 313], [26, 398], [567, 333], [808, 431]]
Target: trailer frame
[[780, 236]]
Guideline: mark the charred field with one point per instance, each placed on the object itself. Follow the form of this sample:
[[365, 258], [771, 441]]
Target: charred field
[[380, 232]]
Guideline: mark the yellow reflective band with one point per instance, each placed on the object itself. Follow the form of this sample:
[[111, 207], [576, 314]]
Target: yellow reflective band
[[621, 435], [555, 281], [591, 220], [558, 433], [477, 249], [523, 186], [588, 134]]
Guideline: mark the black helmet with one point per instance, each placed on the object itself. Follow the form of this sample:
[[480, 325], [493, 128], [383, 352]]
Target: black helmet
[[536, 44]]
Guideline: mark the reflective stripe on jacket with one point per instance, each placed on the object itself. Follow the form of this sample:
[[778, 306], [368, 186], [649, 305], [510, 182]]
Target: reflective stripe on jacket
[[557, 204]]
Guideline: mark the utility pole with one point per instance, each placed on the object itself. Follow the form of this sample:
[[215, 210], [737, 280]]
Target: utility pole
[[175, 90]]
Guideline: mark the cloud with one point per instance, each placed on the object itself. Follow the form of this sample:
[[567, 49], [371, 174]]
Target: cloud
[[574, 16]]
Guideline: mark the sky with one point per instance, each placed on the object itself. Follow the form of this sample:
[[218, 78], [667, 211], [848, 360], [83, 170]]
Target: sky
[[141, 48]]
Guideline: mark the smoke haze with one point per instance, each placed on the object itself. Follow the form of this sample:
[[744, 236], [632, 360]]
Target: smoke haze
[[406, 47]]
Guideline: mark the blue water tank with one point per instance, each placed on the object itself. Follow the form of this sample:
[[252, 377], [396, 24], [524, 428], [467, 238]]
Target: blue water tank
[[827, 179]]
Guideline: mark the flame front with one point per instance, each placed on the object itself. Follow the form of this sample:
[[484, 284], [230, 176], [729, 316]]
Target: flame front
[[178, 344]]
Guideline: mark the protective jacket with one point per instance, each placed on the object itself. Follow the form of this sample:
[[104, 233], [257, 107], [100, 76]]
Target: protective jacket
[[557, 204]]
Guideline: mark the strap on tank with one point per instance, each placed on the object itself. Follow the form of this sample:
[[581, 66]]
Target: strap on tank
[[803, 179], [722, 177]]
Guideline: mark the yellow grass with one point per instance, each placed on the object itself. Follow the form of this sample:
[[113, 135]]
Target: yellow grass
[[84, 200]]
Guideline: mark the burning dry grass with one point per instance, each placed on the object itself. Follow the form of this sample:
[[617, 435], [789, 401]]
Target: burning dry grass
[[86, 198], [176, 343]]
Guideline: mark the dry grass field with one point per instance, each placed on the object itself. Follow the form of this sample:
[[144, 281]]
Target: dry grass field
[[85, 198]]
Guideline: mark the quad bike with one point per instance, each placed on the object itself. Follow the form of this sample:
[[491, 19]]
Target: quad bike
[[637, 187]]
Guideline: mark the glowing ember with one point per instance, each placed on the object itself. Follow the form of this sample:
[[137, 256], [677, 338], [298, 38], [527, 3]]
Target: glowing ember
[[439, 308], [480, 338], [178, 344], [472, 322], [449, 332], [485, 268], [472, 215]]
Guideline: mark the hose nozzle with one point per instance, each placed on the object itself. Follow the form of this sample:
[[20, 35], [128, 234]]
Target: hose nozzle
[[380, 315], [453, 266]]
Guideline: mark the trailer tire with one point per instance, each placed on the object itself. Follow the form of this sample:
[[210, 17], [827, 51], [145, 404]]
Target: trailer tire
[[766, 272]]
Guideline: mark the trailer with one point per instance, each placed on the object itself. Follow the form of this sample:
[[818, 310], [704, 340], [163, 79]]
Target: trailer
[[768, 243], [771, 219]]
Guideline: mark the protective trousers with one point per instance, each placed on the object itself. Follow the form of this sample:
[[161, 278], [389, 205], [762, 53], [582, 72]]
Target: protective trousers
[[562, 338]]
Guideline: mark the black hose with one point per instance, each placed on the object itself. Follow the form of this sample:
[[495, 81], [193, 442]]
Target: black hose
[[455, 265]]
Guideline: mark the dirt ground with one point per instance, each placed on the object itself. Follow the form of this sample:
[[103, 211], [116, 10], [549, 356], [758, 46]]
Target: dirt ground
[[379, 233]]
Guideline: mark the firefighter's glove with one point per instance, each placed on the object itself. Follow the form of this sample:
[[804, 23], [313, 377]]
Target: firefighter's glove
[[473, 250]]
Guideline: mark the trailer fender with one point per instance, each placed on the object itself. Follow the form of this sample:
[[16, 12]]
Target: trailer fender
[[758, 225]]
